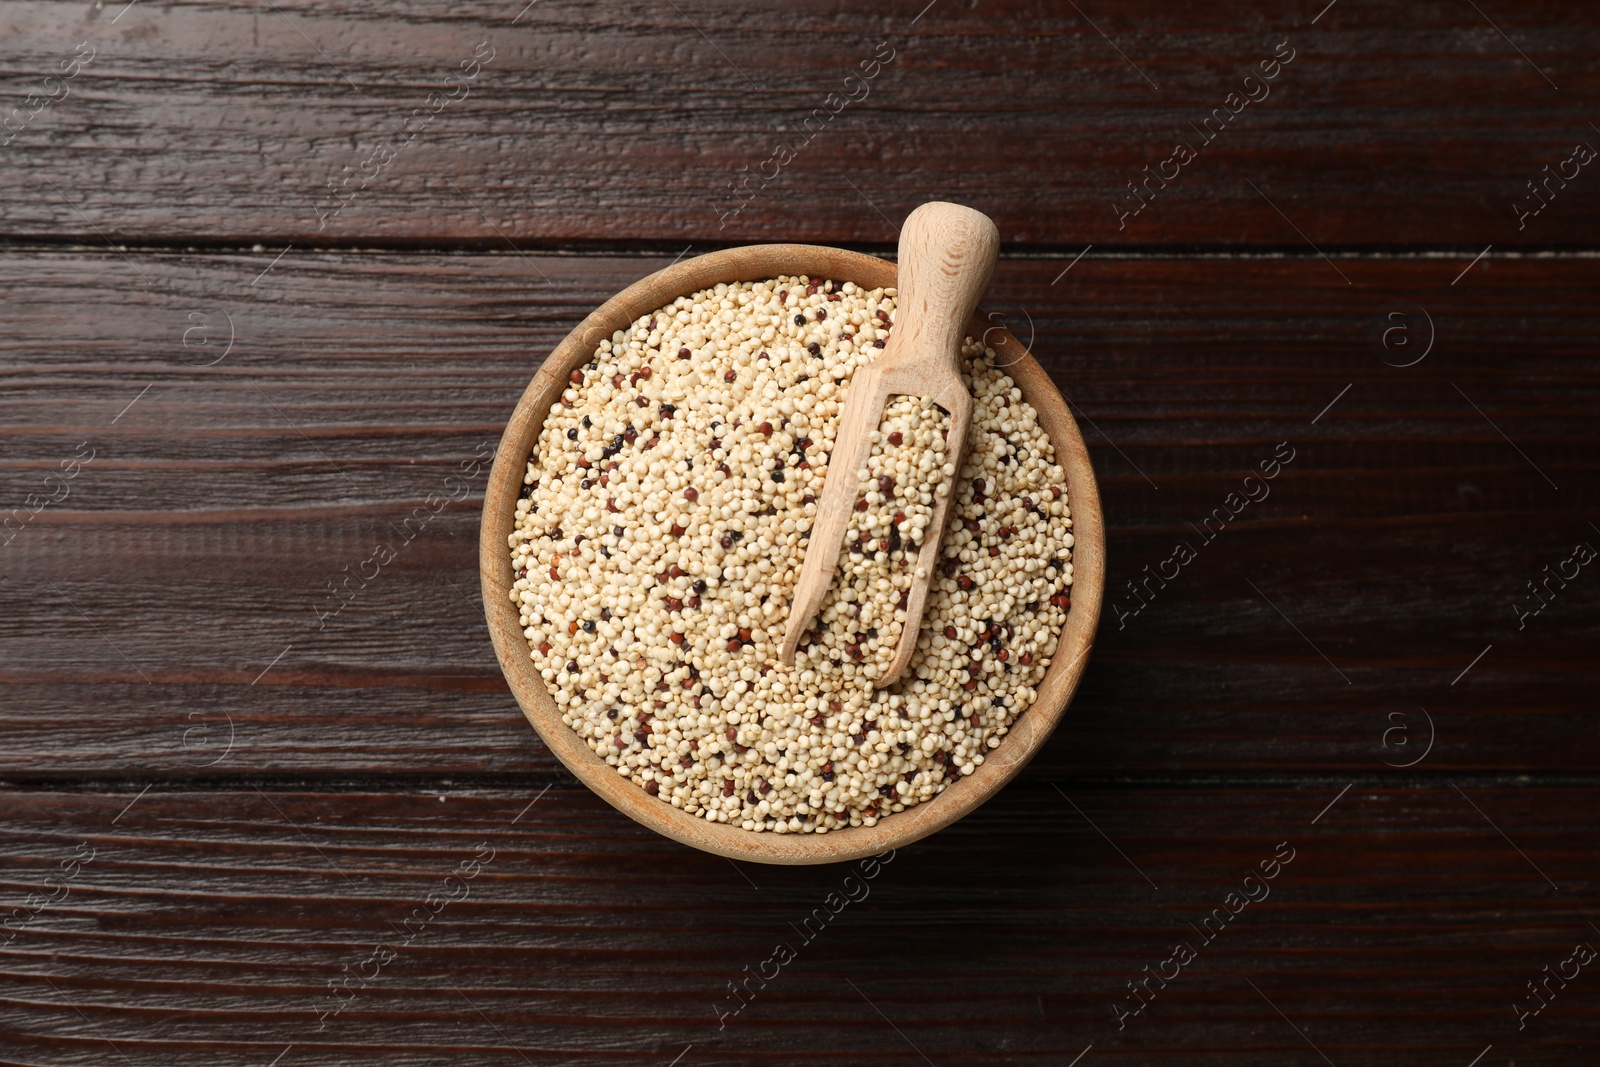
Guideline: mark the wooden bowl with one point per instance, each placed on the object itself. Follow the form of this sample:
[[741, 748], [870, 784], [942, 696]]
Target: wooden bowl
[[1027, 735]]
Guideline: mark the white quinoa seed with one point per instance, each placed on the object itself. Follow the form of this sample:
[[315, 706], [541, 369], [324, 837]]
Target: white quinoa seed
[[664, 519]]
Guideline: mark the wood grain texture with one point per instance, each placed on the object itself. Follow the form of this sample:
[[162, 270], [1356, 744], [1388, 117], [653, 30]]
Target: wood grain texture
[[1397, 542], [1352, 666], [209, 927], [431, 123]]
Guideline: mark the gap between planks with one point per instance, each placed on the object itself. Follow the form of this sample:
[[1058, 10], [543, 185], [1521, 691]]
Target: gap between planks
[[498, 784], [78, 245]]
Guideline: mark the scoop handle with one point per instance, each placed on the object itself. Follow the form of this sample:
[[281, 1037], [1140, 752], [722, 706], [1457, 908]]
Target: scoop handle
[[947, 255]]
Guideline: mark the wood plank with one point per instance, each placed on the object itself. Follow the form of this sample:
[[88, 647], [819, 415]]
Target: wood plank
[[209, 927], [142, 612], [625, 121]]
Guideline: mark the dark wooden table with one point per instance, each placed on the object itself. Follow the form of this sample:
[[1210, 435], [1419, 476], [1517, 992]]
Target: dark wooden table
[[271, 272]]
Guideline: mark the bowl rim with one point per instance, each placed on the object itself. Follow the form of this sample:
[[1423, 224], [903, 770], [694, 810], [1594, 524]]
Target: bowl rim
[[1026, 736]]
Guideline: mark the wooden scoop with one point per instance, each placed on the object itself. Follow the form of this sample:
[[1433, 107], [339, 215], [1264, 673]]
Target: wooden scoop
[[947, 255]]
